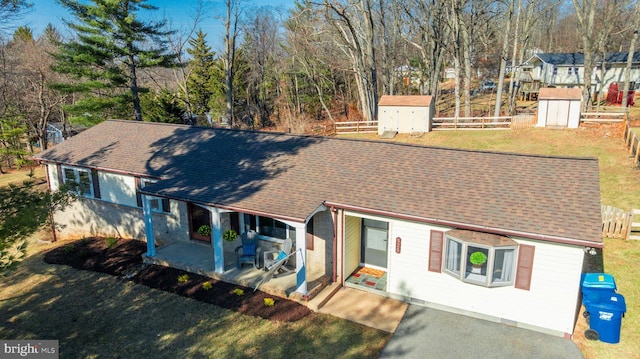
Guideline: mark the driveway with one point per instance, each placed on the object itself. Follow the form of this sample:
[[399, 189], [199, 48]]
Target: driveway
[[430, 333]]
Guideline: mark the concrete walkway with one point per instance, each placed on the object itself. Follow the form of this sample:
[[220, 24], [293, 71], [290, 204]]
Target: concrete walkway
[[366, 308], [430, 333]]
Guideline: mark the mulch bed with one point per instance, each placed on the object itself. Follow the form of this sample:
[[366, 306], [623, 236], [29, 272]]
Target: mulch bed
[[123, 258]]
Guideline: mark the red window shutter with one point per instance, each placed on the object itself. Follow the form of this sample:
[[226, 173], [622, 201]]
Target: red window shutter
[[138, 194], [525, 266], [96, 184], [435, 251]]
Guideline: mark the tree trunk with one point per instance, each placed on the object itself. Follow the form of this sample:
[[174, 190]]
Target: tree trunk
[[585, 13], [632, 49], [134, 85], [503, 60]]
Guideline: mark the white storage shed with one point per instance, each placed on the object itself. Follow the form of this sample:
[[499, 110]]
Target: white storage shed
[[405, 114], [559, 107]]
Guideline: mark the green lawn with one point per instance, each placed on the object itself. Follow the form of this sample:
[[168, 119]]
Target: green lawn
[[619, 187]]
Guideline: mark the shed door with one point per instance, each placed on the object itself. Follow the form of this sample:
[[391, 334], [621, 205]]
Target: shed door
[[557, 113]]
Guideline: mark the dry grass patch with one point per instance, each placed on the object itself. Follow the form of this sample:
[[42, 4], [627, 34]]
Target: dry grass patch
[[96, 315]]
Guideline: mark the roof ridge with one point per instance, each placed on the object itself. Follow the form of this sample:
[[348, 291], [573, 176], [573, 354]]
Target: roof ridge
[[363, 140]]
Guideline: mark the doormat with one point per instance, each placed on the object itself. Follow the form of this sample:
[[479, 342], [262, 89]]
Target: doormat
[[370, 271], [369, 278]]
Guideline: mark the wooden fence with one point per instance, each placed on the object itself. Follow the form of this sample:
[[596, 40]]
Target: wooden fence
[[484, 123], [615, 222], [632, 143], [618, 223], [343, 128], [603, 117]]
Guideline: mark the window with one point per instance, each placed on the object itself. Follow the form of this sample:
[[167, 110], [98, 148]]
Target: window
[[80, 180], [480, 258], [569, 70], [155, 202], [268, 227], [555, 70]]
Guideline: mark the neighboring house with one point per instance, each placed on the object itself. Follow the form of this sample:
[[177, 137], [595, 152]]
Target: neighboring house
[[405, 114], [415, 214], [567, 69], [56, 132]]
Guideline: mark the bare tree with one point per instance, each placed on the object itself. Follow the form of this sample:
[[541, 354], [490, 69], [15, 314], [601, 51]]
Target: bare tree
[[426, 31], [506, 29], [631, 54], [585, 13], [231, 22], [353, 26], [178, 41]]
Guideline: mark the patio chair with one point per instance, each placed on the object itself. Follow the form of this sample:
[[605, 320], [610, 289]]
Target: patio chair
[[278, 259], [249, 251]]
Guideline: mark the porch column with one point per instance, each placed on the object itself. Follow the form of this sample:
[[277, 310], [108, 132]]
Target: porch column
[[148, 226], [301, 258], [216, 243]]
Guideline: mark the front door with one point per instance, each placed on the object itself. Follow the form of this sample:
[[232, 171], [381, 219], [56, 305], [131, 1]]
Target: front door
[[374, 243], [199, 217]]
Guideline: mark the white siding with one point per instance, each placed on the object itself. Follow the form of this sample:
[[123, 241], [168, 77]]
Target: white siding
[[542, 113], [549, 306], [117, 188], [404, 119], [52, 170]]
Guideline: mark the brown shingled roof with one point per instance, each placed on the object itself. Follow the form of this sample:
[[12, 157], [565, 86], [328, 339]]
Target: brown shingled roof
[[413, 100], [289, 176], [552, 93]]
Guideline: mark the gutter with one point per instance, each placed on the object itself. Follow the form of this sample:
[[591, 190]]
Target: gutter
[[542, 237]]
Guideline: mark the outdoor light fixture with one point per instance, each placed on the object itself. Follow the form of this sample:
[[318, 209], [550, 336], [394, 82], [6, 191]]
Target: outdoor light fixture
[[590, 250]]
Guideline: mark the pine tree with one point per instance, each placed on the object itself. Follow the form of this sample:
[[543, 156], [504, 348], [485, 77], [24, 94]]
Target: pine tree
[[110, 48], [200, 70]]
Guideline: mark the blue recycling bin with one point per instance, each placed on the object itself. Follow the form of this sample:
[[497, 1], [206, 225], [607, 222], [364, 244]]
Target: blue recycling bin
[[596, 286], [606, 318]]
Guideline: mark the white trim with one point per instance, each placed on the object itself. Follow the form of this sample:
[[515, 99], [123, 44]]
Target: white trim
[[76, 174]]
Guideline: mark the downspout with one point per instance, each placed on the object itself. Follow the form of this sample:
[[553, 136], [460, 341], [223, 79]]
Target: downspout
[[335, 244]]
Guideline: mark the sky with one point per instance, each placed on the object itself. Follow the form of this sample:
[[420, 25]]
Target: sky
[[177, 12]]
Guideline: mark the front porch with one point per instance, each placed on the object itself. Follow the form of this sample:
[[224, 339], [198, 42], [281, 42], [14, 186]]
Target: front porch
[[198, 258]]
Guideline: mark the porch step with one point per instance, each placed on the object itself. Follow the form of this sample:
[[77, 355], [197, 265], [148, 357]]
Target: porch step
[[323, 297]]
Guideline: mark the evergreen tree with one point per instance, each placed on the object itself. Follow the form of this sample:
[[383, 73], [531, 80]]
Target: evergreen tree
[[163, 107], [110, 48], [200, 73]]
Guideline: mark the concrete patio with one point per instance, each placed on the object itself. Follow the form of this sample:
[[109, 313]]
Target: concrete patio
[[198, 258]]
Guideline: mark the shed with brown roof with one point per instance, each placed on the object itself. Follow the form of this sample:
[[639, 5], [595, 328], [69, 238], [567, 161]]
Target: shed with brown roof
[[559, 107], [405, 114]]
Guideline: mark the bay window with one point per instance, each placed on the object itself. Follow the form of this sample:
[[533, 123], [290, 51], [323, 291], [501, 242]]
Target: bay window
[[480, 258]]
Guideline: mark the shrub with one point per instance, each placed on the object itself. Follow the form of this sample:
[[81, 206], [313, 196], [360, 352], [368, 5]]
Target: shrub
[[69, 248], [204, 230], [184, 278], [207, 285], [269, 302], [111, 242], [239, 292], [230, 235]]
